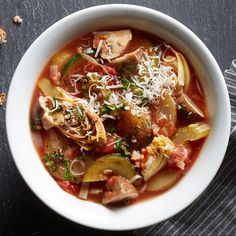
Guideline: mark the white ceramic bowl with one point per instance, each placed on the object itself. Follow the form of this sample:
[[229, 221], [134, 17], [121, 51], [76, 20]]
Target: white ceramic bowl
[[147, 212]]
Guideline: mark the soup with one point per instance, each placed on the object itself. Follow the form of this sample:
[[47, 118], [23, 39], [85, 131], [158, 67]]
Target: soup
[[118, 116]]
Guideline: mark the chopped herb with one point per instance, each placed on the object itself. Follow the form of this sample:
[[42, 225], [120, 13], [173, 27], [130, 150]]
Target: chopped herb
[[85, 89], [50, 163], [182, 107], [149, 124], [84, 156], [110, 129], [139, 93], [126, 83], [80, 113], [46, 156], [112, 107], [53, 168], [105, 109], [122, 147], [67, 175], [51, 160]]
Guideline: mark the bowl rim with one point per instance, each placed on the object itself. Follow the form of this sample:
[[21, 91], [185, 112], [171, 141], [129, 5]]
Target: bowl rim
[[165, 17]]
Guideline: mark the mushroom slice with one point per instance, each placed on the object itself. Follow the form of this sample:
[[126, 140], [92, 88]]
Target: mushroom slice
[[133, 57], [119, 189], [111, 43], [188, 106]]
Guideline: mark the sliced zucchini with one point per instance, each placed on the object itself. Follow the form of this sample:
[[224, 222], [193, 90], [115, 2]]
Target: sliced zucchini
[[118, 164], [163, 180], [192, 132]]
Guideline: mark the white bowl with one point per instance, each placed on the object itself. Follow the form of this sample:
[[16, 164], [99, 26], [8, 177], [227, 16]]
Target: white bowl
[[147, 212]]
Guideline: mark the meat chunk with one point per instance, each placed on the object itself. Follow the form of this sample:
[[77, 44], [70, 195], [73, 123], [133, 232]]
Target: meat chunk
[[188, 105], [112, 43], [179, 156], [119, 189]]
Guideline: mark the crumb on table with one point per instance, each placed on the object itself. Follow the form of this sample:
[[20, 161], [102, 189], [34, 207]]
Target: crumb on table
[[3, 99], [3, 36], [17, 20]]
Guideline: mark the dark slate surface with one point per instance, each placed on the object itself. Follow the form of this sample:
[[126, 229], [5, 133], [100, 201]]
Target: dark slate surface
[[21, 213]]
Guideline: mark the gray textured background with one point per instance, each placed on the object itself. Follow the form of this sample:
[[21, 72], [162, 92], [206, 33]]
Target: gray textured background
[[214, 21]]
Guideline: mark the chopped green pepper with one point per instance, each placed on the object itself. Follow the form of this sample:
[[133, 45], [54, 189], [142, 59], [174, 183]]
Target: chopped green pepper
[[70, 63]]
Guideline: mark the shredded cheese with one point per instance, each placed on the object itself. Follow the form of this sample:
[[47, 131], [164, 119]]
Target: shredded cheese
[[98, 48]]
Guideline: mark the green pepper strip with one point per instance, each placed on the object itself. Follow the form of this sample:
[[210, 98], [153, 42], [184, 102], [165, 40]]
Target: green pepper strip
[[70, 63]]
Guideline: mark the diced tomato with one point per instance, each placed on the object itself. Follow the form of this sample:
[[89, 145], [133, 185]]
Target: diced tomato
[[109, 147], [68, 186], [111, 69], [145, 153]]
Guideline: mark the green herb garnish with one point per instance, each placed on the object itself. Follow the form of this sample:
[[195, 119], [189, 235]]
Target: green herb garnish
[[80, 113], [67, 175], [122, 147], [149, 124], [126, 83]]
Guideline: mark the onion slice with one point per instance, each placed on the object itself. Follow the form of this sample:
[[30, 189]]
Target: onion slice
[[83, 194], [79, 167], [135, 178]]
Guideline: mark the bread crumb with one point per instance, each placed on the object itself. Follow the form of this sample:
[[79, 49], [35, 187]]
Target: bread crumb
[[17, 20], [3, 36], [3, 99]]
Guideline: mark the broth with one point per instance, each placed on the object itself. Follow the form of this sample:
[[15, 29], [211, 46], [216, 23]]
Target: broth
[[81, 94]]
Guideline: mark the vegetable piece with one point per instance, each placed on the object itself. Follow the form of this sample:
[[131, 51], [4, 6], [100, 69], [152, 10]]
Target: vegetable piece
[[186, 105], [168, 108], [91, 59], [83, 194], [163, 180], [181, 67], [70, 63], [155, 156], [61, 58], [166, 119], [132, 57], [192, 132], [111, 44], [183, 71], [49, 89], [139, 127], [115, 162], [119, 189]]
